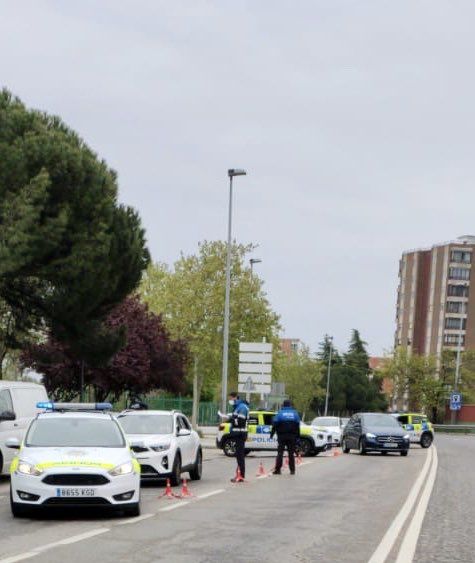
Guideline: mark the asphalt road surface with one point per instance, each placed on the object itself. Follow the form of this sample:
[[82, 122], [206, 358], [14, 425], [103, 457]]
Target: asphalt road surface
[[348, 508]]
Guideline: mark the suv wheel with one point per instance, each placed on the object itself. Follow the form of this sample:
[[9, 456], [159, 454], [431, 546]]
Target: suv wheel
[[361, 447], [426, 440], [304, 447], [195, 473], [229, 447], [175, 477]]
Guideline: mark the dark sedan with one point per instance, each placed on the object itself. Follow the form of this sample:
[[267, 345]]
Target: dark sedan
[[375, 432]]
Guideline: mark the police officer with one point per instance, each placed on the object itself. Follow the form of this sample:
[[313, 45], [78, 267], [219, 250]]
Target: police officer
[[238, 420], [287, 425]]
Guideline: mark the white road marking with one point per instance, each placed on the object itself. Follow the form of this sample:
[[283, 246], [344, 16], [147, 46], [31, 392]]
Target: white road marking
[[135, 519], [409, 543], [171, 507], [66, 541], [210, 494], [385, 546]]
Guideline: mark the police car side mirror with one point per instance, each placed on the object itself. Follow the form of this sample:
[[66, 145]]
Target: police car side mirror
[[183, 432], [13, 443], [7, 415]]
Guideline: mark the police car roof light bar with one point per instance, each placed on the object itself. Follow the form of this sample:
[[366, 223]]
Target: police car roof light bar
[[51, 406]]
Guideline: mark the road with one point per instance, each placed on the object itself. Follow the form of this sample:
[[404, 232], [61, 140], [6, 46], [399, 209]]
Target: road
[[335, 509]]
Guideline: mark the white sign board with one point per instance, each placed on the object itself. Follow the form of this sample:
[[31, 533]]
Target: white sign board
[[259, 388], [254, 378], [255, 368], [248, 357], [262, 347]]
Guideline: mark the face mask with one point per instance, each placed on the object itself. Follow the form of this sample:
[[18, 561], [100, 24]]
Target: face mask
[[231, 402]]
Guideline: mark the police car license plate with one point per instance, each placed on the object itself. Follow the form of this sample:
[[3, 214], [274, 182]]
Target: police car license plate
[[75, 492], [389, 445]]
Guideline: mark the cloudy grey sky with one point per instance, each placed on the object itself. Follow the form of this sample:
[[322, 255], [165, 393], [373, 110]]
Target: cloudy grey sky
[[353, 118]]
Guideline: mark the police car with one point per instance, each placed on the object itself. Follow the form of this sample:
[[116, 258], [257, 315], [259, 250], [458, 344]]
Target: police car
[[417, 426], [165, 444], [311, 441], [74, 455]]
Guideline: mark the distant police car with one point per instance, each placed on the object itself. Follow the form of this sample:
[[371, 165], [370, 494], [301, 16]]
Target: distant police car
[[311, 441], [74, 455], [164, 442], [417, 426]]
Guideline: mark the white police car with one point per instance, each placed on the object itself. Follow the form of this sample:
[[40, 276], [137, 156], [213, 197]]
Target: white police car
[[164, 442], [74, 455]]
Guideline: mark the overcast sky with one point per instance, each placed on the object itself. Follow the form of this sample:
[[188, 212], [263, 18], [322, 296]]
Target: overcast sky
[[354, 119]]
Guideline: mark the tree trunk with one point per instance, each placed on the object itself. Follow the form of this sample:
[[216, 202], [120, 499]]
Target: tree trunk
[[196, 396]]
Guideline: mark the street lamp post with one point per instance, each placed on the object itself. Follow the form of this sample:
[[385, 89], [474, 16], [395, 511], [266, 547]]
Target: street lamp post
[[453, 414], [253, 261], [328, 375], [224, 381]]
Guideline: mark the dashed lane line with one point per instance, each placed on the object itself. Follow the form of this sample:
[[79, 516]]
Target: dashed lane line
[[135, 519]]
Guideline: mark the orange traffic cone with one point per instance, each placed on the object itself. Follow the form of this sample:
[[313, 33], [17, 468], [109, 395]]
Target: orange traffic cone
[[185, 491], [168, 492], [299, 459], [261, 472], [286, 462]]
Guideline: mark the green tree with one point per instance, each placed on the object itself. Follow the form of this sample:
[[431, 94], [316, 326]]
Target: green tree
[[302, 376], [191, 299], [68, 251]]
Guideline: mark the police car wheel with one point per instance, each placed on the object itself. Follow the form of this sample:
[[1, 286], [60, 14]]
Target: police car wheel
[[175, 477], [18, 510], [229, 448], [426, 440], [195, 473]]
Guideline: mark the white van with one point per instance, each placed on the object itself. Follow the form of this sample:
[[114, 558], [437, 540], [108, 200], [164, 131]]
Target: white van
[[17, 408]]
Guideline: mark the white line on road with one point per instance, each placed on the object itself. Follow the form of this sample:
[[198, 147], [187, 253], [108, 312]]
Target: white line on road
[[390, 537], [171, 507], [135, 519], [65, 541], [210, 494], [409, 544]]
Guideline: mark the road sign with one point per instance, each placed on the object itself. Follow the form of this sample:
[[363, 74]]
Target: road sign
[[455, 401], [255, 368], [255, 377], [248, 357], [258, 388], [262, 347]]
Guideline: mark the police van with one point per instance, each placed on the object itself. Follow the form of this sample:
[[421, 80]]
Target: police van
[[311, 441], [417, 426]]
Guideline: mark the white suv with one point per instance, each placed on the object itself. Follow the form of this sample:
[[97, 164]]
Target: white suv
[[164, 443]]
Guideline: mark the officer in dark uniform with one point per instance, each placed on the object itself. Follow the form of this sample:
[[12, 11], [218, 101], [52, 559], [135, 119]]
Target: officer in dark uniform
[[238, 420], [287, 426]]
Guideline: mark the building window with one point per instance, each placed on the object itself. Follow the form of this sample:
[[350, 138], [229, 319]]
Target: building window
[[459, 273], [453, 323], [461, 256], [456, 307], [453, 340], [457, 290]]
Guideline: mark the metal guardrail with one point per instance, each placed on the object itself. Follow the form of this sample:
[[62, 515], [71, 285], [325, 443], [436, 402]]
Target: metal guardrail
[[455, 428]]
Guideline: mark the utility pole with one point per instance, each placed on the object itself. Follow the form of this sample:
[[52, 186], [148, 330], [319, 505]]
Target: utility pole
[[453, 414], [329, 374]]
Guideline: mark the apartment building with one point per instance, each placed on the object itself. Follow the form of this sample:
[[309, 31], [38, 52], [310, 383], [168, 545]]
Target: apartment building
[[435, 303]]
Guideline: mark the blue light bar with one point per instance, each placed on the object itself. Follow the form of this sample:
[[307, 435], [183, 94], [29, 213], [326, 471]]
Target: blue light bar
[[50, 406]]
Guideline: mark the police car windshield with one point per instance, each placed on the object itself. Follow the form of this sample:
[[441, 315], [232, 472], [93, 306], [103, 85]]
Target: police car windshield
[[147, 423], [381, 420], [325, 421], [66, 431]]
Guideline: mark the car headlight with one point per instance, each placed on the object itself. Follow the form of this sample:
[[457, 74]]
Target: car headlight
[[370, 435], [160, 447], [406, 437], [28, 469], [124, 469]]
